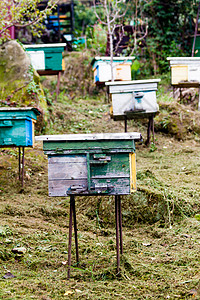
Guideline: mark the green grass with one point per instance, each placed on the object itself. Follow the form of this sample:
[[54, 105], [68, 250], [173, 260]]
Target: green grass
[[161, 228]]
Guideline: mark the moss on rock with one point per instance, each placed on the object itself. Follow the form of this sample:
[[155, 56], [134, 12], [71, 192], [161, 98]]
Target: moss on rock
[[19, 82]]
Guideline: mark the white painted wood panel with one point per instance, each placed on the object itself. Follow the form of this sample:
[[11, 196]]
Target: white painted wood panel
[[126, 102], [37, 59], [194, 73], [90, 137]]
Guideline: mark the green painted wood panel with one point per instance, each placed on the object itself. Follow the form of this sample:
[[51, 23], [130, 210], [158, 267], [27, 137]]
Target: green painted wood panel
[[53, 57], [53, 61], [88, 174], [89, 146]]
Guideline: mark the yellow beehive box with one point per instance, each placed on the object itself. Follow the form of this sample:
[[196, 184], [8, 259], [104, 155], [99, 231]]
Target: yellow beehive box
[[123, 71], [179, 73]]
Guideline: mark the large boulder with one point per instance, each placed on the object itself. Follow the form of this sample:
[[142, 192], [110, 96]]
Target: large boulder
[[19, 82]]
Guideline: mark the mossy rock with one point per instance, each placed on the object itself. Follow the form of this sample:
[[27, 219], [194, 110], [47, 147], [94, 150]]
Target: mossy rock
[[19, 82]]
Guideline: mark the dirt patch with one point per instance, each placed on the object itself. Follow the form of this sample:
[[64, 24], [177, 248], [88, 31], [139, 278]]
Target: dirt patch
[[177, 120]]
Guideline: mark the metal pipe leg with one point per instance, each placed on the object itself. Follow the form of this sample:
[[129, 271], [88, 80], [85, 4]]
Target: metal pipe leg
[[117, 231], [125, 125], [152, 128], [180, 95], [173, 92], [120, 225], [148, 132], [75, 229], [19, 163], [22, 166], [70, 236], [58, 84]]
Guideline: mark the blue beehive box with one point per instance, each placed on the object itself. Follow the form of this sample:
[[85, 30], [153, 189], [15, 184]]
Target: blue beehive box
[[17, 126]]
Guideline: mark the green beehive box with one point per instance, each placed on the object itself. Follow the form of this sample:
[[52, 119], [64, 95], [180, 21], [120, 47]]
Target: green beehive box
[[17, 126], [52, 55], [90, 164]]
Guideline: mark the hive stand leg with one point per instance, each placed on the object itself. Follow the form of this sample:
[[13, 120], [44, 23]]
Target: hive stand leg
[[125, 124], [152, 128], [199, 101], [117, 231], [174, 91], [19, 163], [70, 236], [180, 95], [120, 225], [75, 229], [148, 132], [22, 166], [58, 85], [149, 129]]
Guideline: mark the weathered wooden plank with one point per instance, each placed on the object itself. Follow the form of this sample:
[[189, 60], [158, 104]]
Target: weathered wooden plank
[[67, 167], [60, 159], [90, 151], [121, 186], [60, 187], [67, 171]]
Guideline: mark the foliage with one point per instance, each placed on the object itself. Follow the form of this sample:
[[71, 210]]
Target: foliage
[[170, 30], [22, 13], [84, 17]]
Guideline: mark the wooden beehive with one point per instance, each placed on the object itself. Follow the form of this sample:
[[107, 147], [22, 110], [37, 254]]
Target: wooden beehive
[[46, 56], [17, 126], [90, 164], [184, 69], [133, 99], [102, 68]]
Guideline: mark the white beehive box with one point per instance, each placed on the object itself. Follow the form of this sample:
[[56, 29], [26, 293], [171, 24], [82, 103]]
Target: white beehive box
[[184, 69], [102, 68], [125, 94]]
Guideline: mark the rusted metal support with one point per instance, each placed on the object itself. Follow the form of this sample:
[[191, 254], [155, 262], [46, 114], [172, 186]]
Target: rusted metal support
[[58, 84], [150, 129], [22, 166], [70, 237], [196, 30], [19, 163], [180, 95], [199, 101], [75, 228], [117, 231], [125, 124], [174, 89], [120, 224], [148, 132]]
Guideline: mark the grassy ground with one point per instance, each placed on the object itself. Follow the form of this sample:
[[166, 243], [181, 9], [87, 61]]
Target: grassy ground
[[161, 228]]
